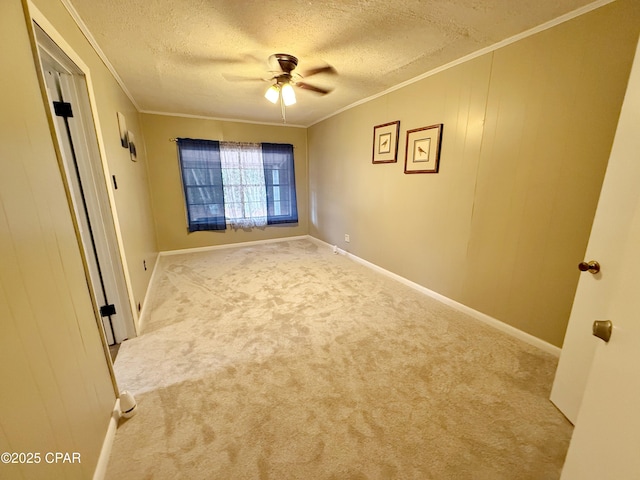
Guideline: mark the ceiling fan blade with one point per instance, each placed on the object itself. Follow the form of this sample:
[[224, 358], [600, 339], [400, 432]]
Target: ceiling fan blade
[[312, 88], [201, 59], [239, 78], [314, 71]]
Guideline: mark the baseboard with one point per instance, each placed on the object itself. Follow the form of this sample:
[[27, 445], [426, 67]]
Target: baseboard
[[103, 460], [232, 245], [143, 312], [524, 336]]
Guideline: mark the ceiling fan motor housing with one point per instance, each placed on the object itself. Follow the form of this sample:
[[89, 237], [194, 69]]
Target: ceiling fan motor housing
[[287, 62]]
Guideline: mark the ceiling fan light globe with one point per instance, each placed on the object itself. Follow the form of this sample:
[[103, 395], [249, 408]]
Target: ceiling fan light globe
[[272, 94], [288, 95]]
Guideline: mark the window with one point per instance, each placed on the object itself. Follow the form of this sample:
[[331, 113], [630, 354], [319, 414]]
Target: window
[[242, 185], [202, 181], [245, 201], [280, 183]]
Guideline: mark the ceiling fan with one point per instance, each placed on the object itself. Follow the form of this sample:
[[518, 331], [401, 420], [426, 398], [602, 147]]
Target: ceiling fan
[[286, 78]]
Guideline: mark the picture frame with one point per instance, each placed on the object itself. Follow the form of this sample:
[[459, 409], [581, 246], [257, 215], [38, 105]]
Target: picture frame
[[122, 128], [423, 149], [132, 147], [385, 142]]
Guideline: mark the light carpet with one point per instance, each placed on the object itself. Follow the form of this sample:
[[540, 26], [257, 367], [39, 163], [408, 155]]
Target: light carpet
[[285, 361]]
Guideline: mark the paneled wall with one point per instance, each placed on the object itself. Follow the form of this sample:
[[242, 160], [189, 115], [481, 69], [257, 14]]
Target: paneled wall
[[55, 387], [527, 134], [166, 186]]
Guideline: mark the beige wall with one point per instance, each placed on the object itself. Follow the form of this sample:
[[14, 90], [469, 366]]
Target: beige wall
[[501, 228], [55, 392], [134, 217], [527, 133], [166, 186]]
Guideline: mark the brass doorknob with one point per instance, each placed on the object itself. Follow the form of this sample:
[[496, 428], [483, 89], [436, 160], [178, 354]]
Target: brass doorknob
[[602, 329], [591, 267]]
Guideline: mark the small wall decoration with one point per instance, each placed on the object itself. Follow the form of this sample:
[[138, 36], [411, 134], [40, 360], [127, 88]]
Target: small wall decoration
[[122, 126], [423, 149], [385, 142], [132, 147]]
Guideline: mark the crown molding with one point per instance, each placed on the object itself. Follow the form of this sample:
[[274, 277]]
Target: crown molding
[[492, 48], [94, 44]]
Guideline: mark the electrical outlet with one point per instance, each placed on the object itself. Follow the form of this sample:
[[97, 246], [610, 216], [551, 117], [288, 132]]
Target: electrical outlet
[[346, 238]]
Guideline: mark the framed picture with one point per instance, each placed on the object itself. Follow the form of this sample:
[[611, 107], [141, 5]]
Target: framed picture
[[124, 134], [423, 149], [132, 147], [385, 142]]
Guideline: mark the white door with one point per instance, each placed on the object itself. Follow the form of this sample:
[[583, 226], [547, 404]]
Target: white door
[[67, 92], [594, 292], [606, 439]]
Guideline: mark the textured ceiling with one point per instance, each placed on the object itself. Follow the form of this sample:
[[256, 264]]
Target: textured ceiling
[[178, 56]]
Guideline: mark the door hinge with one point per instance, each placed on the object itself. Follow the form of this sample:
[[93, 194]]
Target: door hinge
[[62, 109], [107, 310]]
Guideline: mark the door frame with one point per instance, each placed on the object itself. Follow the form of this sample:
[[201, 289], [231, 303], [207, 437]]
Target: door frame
[[76, 139], [105, 198]]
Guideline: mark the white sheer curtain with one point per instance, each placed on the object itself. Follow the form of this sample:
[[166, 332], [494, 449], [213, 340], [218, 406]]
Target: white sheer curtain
[[245, 195]]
